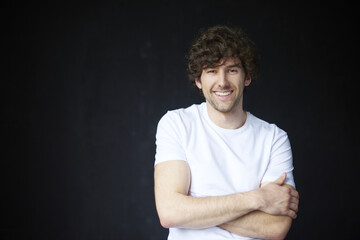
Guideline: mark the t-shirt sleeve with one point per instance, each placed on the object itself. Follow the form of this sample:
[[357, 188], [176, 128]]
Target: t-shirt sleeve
[[168, 139], [281, 159]]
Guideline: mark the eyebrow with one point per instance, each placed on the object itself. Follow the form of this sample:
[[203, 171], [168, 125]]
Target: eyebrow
[[238, 65], [234, 65]]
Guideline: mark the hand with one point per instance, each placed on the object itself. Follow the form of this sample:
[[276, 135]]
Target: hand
[[278, 199]]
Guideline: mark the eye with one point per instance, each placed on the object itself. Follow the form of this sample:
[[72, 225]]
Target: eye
[[233, 70], [211, 71]]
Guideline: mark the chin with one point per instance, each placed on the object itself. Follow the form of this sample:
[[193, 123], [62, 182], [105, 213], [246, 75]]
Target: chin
[[224, 109]]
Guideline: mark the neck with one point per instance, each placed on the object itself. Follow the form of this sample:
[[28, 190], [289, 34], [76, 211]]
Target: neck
[[229, 120]]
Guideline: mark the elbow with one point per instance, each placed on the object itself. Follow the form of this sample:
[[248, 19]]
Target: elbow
[[165, 221], [280, 229], [168, 219], [170, 215], [278, 237]]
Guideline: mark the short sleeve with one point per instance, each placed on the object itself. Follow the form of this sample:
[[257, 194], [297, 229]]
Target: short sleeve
[[281, 159], [168, 139]]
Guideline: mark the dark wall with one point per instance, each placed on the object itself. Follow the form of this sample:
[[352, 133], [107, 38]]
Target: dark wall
[[83, 87]]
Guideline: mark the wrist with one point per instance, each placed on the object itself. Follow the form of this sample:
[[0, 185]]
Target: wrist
[[256, 199]]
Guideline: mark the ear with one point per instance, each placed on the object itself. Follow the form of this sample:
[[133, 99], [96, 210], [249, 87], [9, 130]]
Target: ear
[[247, 80], [198, 83]]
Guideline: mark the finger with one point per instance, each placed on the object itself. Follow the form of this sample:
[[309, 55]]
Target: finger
[[293, 207], [292, 214], [294, 200], [281, 179], [294, 193]]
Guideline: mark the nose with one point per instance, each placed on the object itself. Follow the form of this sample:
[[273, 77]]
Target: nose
[[222, 81]]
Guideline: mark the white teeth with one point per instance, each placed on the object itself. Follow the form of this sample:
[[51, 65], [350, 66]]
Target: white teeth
[[222, 93]]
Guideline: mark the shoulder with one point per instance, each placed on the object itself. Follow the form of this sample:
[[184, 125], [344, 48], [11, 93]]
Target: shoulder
[[182, 115], [264, 127], [177, 124]]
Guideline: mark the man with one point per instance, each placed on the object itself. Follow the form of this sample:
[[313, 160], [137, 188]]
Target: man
[[220, 172]]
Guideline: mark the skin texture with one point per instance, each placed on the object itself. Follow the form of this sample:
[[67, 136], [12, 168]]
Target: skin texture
[[227, 77], [266, 212], [258, 224], [248, 214]]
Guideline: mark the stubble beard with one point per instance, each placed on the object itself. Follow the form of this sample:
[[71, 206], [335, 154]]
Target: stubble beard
[[226, 108]]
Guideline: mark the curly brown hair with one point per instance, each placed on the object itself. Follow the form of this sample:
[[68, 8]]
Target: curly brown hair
[[220, 42]]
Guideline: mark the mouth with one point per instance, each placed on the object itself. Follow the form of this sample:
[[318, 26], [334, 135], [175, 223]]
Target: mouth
[[223, 93]]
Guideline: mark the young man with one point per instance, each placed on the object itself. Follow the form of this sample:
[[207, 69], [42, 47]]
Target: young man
[[220, 172]]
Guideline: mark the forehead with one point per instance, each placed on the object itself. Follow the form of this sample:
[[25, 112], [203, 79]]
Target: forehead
[[229, 62], [225, 62]]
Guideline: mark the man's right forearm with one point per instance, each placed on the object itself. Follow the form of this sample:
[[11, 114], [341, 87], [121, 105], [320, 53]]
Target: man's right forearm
[[176, 208], [184, 211]]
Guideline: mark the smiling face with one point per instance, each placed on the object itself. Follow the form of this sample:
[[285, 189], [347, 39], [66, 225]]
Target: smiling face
[[223, 85]]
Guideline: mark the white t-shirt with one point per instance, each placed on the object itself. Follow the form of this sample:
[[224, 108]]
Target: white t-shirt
[[222, 161]]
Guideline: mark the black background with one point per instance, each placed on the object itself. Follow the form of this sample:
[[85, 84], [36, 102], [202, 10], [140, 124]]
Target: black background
[[84, 85]]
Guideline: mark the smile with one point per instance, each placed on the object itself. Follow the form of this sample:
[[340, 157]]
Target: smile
[[223, 93]]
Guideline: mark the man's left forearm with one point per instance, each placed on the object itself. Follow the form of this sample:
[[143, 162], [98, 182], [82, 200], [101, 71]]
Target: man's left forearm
[[258, 224]]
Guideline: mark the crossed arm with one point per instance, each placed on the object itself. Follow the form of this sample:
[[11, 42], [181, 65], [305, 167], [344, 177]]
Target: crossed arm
[[266, 212]]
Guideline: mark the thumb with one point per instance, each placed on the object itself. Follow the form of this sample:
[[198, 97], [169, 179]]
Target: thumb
[[281, 179]]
